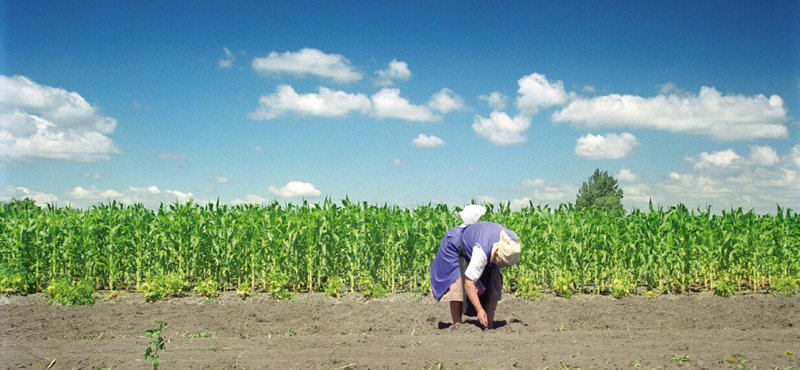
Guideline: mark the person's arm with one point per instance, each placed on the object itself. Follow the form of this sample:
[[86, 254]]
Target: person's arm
[[474, 271], [472, 294]]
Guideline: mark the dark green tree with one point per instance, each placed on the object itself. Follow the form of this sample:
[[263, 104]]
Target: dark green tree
[[601, 191]]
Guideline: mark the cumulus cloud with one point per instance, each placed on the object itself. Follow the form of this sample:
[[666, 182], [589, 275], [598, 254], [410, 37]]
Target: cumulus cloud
[[40, 122], [544, 192], [399, 161], [227, 61], [536, 92], [501, 129], [794, 156], [763, 156], [720, 159], [625, 175], [725, 178], [80, 197], [91, 175], [722, 117], [172, 157], [296, 189], [536, 182], [325, 103], [250, 199], [221, 180], [610, 146], [387, 103], [423, 141], [8, 192], [308, 61], [496, 100], [446, 101], [397, 71]]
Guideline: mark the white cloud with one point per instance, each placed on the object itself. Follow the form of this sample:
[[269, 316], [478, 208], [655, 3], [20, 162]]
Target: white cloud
[[296, 189], [46, 123], [536, 182], [794, 156], [719, 159], [399, 161], [259, 149], [763, 156], [221, 180], [177, 158], [536, 92], [91, 175], [9, 192], [638, 196], [397, 71], [625, 175], [250, 199], [93, 193], [723, 118], [473, 169], [487, 199], [610, 146], [544, 192], [496, 100], [423, 141], [501, 129], [308, 61], [151, 197], [325, 103], [387, 103], [446, 101], [724, 179], [227, 61]]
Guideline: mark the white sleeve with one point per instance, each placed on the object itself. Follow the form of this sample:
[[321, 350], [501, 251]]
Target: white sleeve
[[476, 264]]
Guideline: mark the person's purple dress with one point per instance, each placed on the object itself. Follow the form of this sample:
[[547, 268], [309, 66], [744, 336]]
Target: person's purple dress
[[444, 269]]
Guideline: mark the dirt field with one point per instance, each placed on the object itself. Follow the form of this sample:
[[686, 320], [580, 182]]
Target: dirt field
[[404, 331]]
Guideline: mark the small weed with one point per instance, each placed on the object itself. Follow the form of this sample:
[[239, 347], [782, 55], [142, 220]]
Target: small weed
[[334, 286], [158, 287], [563, 285], [155, 345], [369, 288], [621, 287], [75, 293], [722, 287], [278, 286], [527, 288], [291, 333], [205, 334], [681, 360], [207, 288], [785, 286], [13, 283], [243, 291]]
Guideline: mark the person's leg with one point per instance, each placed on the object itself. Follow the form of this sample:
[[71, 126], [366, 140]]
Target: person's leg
[[490, 308], [455, 311]]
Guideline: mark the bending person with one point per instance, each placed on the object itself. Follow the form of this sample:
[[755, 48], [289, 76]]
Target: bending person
[[466, 270]]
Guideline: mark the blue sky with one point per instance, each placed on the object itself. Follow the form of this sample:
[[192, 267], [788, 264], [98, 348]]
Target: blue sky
[[400, 102]]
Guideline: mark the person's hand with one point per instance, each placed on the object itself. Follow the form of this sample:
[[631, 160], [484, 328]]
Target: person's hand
[[483, 319]]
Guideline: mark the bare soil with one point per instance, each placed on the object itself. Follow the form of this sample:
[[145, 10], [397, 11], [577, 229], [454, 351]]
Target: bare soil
[[405, 331]]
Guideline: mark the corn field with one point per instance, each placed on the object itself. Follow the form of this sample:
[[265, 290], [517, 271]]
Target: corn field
[[661, 250]]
